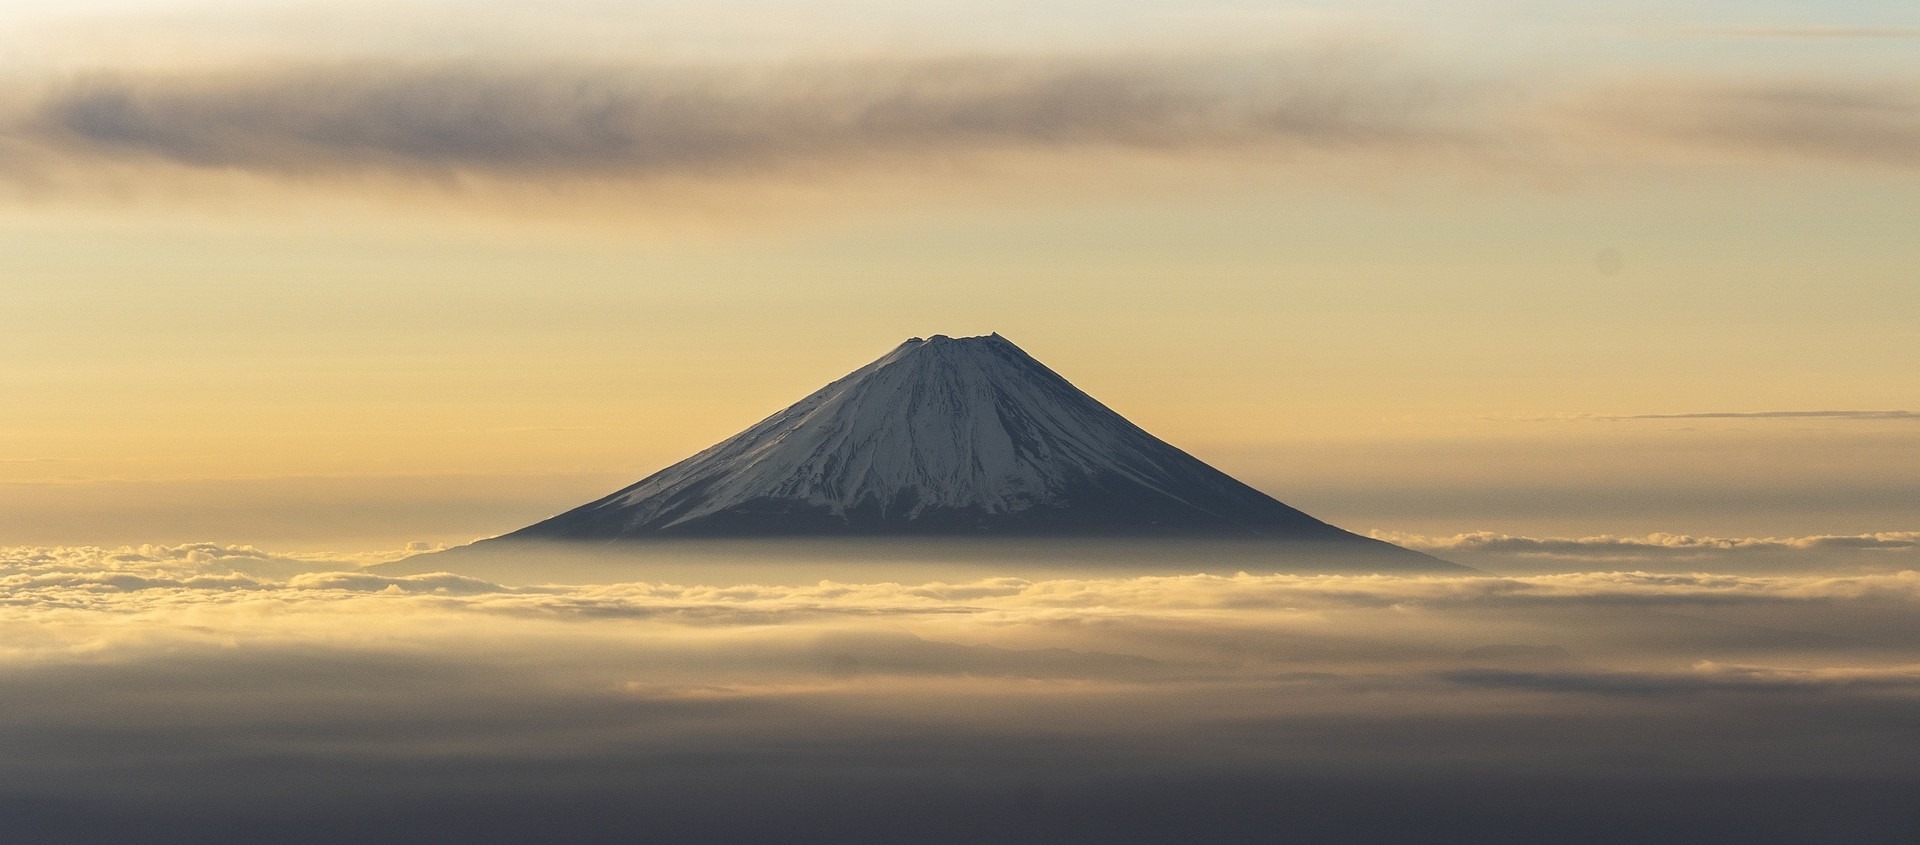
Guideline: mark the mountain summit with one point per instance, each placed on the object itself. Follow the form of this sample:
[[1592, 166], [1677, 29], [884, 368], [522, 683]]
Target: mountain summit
[[942, 437]]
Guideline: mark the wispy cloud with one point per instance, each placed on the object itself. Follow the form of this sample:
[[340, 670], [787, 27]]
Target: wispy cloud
[[1499, 552], [1816, 32], [1775, 415], [1727, 415], [439, 121], [1655, 547], [1656, 550], [1705, 677], [1852, 121], [371, 125]]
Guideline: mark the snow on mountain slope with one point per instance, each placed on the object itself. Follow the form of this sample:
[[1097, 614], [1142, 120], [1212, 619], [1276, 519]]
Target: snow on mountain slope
[[939, 436]]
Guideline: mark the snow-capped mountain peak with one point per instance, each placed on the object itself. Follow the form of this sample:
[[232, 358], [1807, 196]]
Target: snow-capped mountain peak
[[941, 435]]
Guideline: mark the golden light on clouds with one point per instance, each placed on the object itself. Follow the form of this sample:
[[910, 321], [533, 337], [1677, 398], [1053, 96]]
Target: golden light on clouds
[[1181, 696]]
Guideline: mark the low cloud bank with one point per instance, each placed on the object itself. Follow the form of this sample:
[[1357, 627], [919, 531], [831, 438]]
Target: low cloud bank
[[113, 577], [185, 560], [1896, 548], [163, 694]]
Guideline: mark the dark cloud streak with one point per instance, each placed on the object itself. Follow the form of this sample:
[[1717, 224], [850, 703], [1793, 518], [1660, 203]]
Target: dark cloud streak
[[358, 125], [1729, 415], [596, 122]]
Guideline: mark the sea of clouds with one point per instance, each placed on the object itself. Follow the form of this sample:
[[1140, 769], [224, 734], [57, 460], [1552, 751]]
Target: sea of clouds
[[222, 693]]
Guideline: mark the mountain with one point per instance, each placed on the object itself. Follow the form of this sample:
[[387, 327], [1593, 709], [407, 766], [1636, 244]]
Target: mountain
[[943, 437]]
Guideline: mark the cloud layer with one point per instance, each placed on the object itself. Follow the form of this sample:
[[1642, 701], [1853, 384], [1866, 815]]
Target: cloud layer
[[1733, 415], [574, 122], [1862, 121], [1898, 546], [183, 693], [364, 124]]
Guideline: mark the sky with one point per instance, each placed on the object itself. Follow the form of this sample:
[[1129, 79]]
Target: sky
[[328, 275]]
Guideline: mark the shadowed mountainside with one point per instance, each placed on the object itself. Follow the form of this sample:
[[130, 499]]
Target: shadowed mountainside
[[941, 439]]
